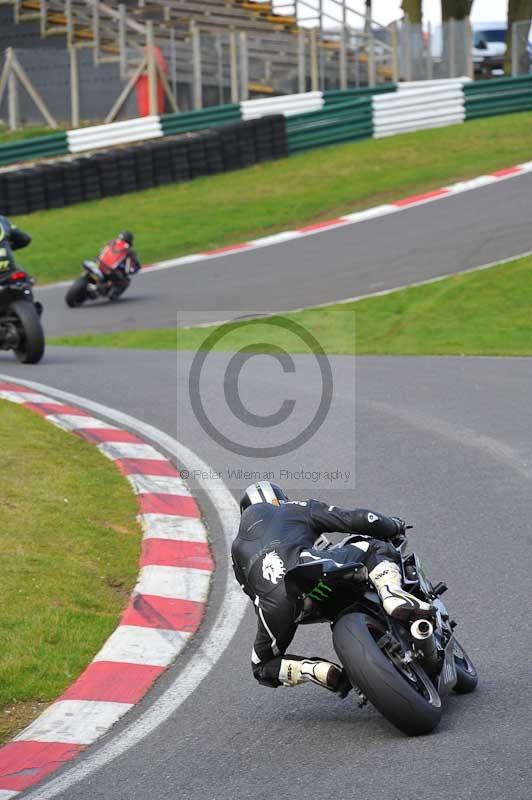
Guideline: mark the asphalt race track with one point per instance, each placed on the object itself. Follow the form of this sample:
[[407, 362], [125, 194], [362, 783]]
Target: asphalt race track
[[444, 442], [461, 231]]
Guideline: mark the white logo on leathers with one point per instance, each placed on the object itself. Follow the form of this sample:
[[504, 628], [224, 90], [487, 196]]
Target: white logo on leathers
[[372, 517], [273, 568]]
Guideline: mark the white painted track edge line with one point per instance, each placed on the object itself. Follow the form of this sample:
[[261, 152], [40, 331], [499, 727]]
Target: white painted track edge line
[[460, 187], [225, 625], [380, 293], [383, 292]]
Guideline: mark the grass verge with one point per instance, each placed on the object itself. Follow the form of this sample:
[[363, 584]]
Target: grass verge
[[229, 208], [479, 313], [69, 555], [7, 136]]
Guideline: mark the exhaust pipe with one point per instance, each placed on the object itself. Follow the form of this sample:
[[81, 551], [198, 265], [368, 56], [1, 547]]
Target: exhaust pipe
[[422, 632]]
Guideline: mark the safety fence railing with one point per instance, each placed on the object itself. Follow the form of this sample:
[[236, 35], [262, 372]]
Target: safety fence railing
[[210, 117], [312, 120], [132, 130], [56, 144], [119, 133], [415, 107], [340, 95], [288, 105], [339, 122], [498, 96]]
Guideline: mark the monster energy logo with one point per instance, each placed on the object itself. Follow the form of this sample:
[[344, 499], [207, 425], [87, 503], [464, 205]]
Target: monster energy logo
[[320, 592]]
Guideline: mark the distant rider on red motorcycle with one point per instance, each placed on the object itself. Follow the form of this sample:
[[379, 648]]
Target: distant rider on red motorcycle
[[118, 261]]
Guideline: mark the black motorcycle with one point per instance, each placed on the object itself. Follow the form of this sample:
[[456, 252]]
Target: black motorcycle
[[403, 669], [92, 284], [20, 323]]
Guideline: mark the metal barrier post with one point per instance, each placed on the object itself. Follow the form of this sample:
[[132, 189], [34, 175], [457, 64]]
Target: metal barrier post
[[452, 49], [197, 94], [12, 100], [43, 12], [69, 23], [372, 72], [233, 57], [407, 33], [395, 53], [152, 70], [469, 49], [74, 87], [244, 92], [430, 69], [219, 66], [173, 64], [301, 70], [515, 54], [122, 39], [343, 49], [314, 72], [96, 31]]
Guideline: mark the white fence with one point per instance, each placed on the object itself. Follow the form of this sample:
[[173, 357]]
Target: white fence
[[416, 106]]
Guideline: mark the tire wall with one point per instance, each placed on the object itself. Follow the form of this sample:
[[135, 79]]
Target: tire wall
[[129, 169]]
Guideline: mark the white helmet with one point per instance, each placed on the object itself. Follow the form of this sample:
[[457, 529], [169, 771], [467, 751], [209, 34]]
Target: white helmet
[[262, 492]]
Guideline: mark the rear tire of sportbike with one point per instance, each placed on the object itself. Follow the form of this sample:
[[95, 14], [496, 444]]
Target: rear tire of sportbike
[[77, 294], [396, 696], [31, 347], [467, 677]]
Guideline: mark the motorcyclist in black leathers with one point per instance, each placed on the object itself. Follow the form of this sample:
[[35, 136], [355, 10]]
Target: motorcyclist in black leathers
[[275, 535], [11, 238]]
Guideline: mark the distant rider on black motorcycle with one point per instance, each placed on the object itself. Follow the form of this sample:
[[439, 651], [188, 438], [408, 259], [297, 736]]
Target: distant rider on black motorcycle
[[118, 261], [274, 536], [11, 238]]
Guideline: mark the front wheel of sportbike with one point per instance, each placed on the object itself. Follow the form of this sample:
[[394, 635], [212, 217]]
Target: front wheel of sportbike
[[404, 695], [29, 348], [467, 677], [77, 293]]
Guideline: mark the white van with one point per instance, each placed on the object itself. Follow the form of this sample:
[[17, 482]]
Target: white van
[[489, 49]]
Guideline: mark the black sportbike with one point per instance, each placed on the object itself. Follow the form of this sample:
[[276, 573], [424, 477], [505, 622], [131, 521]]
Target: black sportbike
[[403, 669], [20, 317], [93, 283]]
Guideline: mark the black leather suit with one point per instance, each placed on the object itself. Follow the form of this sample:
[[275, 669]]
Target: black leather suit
[[273, 539], [11, 238]]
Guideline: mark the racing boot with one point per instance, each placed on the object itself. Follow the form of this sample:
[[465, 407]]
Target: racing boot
[[296, 671], [386, 578], [120, 283]]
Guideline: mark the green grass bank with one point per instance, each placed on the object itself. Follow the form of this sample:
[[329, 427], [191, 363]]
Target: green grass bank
[[69, 553], [487, 312], [230, 208], [29, 132]]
